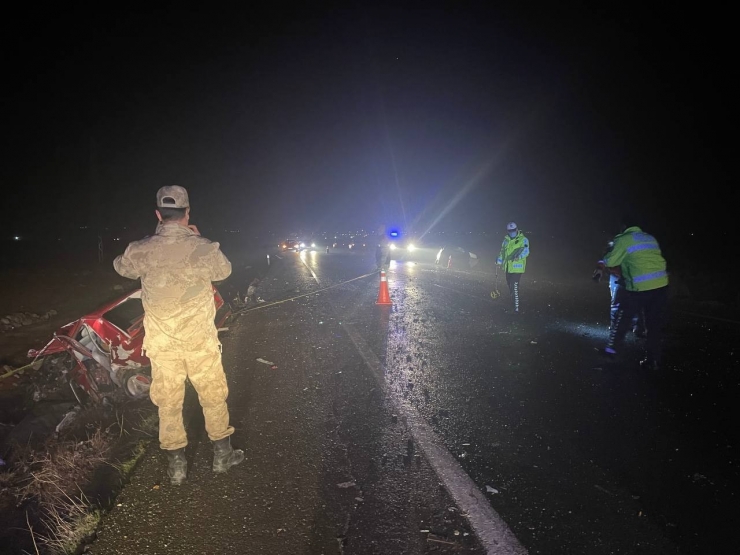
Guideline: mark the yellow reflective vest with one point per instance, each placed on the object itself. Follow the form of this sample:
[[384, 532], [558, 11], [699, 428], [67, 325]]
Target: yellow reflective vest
[[643, 265], [514, 253]]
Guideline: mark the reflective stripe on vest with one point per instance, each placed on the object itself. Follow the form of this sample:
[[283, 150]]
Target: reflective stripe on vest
[[642, 247], [648, 277]]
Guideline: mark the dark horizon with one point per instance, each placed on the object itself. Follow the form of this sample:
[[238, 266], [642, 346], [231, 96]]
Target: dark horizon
[[427, 119]]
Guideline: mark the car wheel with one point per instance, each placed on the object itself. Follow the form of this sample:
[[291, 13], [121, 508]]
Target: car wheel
[[135, 384]]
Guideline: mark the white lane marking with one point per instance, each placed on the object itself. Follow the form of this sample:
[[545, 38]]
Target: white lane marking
[[495, 535], [311, 270]]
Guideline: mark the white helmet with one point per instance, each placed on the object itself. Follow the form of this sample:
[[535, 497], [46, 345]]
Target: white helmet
[[511, 226]]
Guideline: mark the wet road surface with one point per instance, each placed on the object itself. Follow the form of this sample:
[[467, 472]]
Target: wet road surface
[[361, 440]]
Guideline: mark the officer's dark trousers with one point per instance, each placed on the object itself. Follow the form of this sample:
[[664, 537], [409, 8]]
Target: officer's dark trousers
[[654, 303], [618, 291], [512, 280]]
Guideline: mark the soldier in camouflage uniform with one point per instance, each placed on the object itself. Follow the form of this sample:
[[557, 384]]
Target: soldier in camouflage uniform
[[177, 268]]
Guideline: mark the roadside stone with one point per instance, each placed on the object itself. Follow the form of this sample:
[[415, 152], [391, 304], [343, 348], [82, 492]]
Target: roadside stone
[[15, 319], [18, 319]]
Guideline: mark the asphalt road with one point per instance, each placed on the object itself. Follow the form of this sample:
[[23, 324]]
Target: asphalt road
[[446, 425]]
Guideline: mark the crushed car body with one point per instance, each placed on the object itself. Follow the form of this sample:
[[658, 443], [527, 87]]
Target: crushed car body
[[106, 348]]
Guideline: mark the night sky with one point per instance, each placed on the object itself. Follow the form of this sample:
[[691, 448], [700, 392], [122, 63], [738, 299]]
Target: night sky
[[317, 117]]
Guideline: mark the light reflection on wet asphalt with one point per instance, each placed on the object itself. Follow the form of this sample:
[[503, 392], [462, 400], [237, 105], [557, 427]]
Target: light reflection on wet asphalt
[[576, 453], [584, 451]]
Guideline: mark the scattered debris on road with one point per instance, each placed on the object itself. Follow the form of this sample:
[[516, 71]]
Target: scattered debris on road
[[434, 539], [598, 487]]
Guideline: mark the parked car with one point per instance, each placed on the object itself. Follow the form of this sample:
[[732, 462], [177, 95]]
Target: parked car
[[290, 245], [456, 257], [105, 348]]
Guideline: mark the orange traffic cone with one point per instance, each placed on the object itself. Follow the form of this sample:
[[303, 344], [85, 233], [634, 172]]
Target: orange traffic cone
[[384, 296]]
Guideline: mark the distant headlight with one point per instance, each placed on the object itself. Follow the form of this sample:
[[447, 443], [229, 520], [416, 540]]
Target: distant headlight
[[302, 245], [412, 247], [393, 247], [313, 245]]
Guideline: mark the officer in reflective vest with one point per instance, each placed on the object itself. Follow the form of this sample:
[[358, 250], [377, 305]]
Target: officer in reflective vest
[[646, 281], [513, 259]]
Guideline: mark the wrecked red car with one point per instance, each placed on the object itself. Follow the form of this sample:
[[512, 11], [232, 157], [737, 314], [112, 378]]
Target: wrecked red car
[[106, 348]]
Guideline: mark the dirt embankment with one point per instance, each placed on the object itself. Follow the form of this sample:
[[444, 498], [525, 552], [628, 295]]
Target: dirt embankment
[[60, 463], [53, 452]]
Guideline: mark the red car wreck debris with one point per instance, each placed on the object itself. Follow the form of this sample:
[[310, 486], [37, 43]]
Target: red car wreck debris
[[106, 348]]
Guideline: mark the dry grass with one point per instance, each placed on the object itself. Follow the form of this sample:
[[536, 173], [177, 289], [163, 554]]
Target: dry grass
[[50, 478], [8, 479], [149, 424], [69, 523], [67, 463], [33, 536]]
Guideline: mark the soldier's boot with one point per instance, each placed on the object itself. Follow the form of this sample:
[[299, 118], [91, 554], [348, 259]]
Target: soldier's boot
[[225, 456], [178, 466]]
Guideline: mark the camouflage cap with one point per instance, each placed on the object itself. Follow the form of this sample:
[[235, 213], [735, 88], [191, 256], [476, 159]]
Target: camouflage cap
[[172, 196]]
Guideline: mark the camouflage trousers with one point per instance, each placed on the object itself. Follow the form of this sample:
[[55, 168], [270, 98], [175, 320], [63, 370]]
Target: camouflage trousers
[[206, 373]]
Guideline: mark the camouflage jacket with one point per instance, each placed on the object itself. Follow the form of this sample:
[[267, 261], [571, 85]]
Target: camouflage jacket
[[177, 268]]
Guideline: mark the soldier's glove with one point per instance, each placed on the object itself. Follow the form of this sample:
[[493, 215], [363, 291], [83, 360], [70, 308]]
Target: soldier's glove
[[597, 275]]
